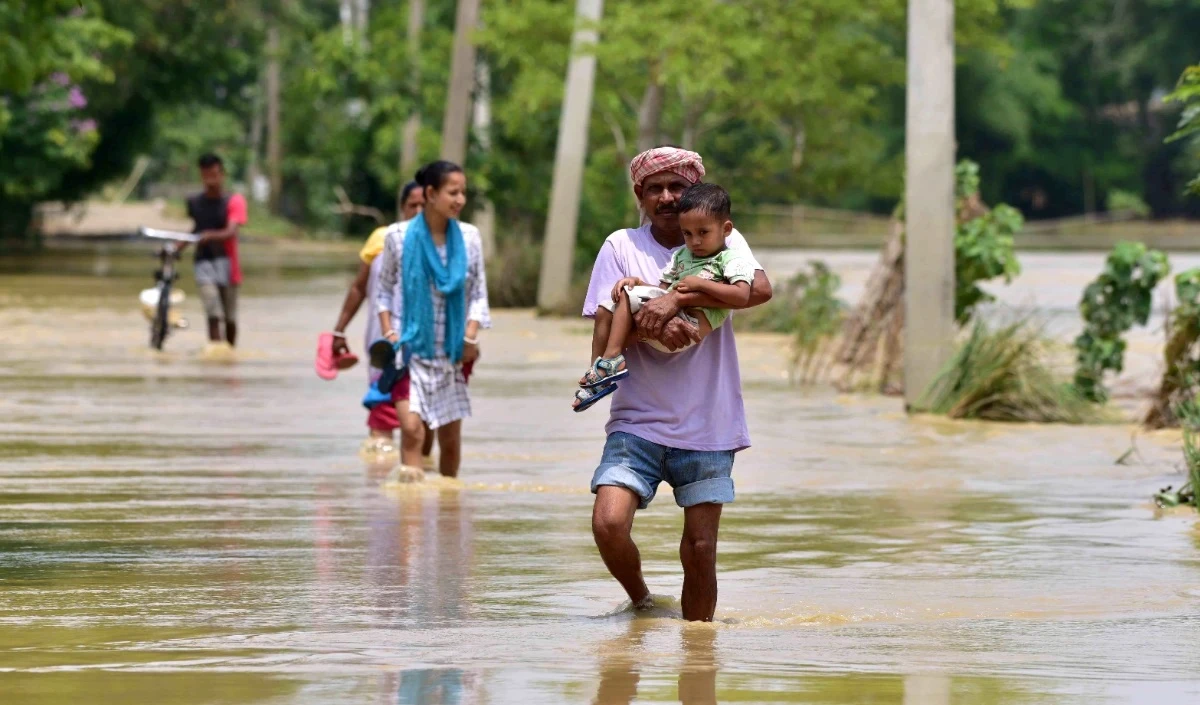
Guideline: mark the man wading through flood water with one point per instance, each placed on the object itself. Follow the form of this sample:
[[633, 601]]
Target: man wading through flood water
[[677, 417]]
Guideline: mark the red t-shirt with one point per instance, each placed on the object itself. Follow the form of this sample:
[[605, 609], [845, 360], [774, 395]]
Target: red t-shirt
[[236, 212]]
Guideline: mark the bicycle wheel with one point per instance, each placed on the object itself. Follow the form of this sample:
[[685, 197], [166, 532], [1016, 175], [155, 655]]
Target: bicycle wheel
[[158, 328]]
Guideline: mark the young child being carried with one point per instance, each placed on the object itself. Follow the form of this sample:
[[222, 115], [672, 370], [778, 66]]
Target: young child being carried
[[703, 266]]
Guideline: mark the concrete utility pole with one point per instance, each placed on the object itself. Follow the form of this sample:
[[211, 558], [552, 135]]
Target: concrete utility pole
[[558, 253], [462, 77], [412, 126], [928, 196]]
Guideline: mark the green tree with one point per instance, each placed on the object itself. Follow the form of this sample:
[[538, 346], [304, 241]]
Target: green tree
[[126, 60], [47, 50], [1187, 93], [1074, 112]]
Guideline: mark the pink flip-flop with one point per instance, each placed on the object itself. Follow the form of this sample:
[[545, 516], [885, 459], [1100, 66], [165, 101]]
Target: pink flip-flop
[[325, 365]]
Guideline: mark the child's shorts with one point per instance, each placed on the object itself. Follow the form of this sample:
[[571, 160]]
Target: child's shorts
[[639, 295]]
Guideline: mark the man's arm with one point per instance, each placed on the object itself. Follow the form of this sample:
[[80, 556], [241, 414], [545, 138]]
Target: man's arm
[[221, 235]]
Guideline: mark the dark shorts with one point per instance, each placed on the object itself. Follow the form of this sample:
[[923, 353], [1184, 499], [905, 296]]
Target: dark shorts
[[383, 417], [697, 476]]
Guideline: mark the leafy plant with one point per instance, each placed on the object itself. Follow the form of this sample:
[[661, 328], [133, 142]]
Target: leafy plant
[[983, 250], [983, 245], [1188, 94], [998, 375], [808, 307], [1112, 304]]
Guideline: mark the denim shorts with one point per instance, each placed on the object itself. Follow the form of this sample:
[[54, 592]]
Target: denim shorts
[[697, 476]]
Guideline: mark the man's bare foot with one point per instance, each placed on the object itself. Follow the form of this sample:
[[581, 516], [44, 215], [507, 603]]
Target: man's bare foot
[[645, 604]]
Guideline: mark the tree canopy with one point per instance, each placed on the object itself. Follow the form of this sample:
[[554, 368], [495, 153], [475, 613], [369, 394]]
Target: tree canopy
[[790, 101]]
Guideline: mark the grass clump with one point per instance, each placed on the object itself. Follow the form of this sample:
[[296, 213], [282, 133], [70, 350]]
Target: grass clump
[[1000, 375], [1188, 415]]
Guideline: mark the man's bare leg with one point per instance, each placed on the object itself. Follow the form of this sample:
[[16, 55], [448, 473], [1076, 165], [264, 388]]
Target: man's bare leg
[[612, 522], [450, 441], [214, 330], [698, 553]]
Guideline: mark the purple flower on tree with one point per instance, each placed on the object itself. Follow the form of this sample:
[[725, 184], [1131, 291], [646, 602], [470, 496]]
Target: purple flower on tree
[[82, 126], [76, 98], [61, 79]]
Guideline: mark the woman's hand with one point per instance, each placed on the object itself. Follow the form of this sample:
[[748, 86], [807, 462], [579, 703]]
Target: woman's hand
[[620, 286], [392, 336], [470, 352], [339, 345]]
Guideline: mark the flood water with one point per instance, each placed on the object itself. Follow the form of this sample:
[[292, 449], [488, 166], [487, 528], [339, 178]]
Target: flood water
[[181, 529]]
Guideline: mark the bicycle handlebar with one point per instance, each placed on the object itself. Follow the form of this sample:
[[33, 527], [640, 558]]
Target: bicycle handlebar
[[157, 234]]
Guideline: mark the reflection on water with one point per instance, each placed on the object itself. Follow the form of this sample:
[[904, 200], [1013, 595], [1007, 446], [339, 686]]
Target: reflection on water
[[179, 530], [622, 658]]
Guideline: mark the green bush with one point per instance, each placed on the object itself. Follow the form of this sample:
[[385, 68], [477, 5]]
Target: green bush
[[807, 307], [1129, 201]]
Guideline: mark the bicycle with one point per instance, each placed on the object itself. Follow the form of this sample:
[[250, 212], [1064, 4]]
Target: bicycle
[[159, 299]]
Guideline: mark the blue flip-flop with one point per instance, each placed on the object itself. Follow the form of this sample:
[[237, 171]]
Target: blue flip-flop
[[588, 397]]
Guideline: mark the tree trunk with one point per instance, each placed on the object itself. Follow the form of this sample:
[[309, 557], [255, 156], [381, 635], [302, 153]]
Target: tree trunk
[[274, 143], [412, 126], [570, 156], [457, 116], [799, 142], [885, 282], [254, 142], [650, 114], [484, 216]]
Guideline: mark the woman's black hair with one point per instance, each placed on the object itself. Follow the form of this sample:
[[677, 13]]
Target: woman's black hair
[[407, 191], [434, 174]]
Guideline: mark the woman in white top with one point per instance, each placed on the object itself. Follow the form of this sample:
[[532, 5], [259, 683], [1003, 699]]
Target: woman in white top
[[440, 306]]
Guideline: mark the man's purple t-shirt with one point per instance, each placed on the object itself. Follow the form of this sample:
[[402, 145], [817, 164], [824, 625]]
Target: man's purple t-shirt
[[691, 400]]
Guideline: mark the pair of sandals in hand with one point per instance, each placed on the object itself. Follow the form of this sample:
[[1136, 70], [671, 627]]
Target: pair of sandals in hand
[[600, 381]]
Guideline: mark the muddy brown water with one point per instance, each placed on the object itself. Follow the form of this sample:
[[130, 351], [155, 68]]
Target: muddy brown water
[[184, 528]]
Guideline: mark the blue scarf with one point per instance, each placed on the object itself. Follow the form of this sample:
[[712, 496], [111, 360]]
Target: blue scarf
[[422, 269]]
